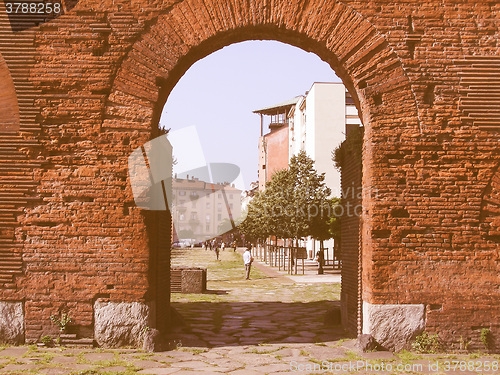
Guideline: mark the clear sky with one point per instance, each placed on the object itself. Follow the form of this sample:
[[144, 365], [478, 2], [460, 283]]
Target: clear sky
[[218, 94]]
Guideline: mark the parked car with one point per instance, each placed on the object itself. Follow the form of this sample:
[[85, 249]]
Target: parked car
[[183, 243]]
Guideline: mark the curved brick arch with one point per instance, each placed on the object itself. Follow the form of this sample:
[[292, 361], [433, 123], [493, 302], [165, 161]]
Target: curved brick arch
[[9, 115], [351, 45], [336, 33]]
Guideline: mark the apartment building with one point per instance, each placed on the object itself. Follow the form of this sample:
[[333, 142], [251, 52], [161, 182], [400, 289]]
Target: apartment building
[[202, 210], [316, 123]]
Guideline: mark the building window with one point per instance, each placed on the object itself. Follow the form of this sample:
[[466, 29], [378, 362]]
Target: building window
[[194, 215], [207, 218], [208, 204], [182, 192], [219, 195], [219, 206], [181, 217], [219, 217], [207, 228], [231, 206], [193, 204]]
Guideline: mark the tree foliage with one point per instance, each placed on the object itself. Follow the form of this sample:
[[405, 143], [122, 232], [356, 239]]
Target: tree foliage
[[255, 227], [295, 204]]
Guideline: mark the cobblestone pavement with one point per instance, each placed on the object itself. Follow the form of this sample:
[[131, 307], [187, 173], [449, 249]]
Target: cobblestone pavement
[[267, 325]]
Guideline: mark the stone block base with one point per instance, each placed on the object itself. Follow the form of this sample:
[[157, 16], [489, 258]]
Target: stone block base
[[120, 324], [393, 326], [188, 280], [11, 323]]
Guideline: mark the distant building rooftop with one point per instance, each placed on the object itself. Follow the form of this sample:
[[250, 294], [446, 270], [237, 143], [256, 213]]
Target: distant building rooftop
[[196, 184], [279, 107]]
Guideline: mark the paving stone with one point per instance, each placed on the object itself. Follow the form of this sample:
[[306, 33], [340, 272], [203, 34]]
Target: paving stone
[[273, 367], [114, 369], [250, 341], [298, 339], [82, 367], [54, 371], [97, 357], [246, 372], [14, 367], [255, 359], [64, 360], [72, 351], [232, 352], [14, 351], [191, 365], [205, 372], [173, 355], [147, 364], [30, 360], [159, 371], [377, 355], [228, 364]]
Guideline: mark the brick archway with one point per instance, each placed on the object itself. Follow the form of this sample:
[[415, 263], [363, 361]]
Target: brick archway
[[93, 82], [336, 33]]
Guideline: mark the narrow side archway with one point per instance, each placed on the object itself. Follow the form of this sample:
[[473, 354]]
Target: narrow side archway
[[351, 45]]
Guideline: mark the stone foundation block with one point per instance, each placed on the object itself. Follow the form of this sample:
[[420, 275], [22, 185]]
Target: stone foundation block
[[120, 324], [393, 326], [11, 323]]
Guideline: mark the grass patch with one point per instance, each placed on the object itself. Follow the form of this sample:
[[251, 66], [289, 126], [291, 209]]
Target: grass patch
[[349, 356], [143, 356], [268, 351], [192, 350], [407, 356], [226, 283]]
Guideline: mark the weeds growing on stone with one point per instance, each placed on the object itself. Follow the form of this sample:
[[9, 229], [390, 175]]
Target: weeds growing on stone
[[426, 343]]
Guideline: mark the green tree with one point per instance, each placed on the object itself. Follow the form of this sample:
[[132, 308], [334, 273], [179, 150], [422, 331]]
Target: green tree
[[327, 224], [294, 205], [255, 227]]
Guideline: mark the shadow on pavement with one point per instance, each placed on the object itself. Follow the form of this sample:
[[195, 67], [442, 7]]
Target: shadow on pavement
[[215, 291], [215, 324]]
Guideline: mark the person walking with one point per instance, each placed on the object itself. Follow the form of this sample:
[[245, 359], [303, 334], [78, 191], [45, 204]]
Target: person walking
[[247, 260], [216, 249]]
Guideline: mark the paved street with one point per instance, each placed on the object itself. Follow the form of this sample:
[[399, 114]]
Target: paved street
[[267, 325]]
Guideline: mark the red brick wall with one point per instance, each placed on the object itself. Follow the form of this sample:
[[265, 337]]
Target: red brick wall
[[98, 75], [351, 202], [277, 151]]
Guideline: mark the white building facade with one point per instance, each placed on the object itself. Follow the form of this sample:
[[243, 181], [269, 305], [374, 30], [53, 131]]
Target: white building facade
[[317, 124]]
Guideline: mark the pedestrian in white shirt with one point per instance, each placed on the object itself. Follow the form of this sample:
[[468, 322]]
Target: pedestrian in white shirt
[[247, 260]]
